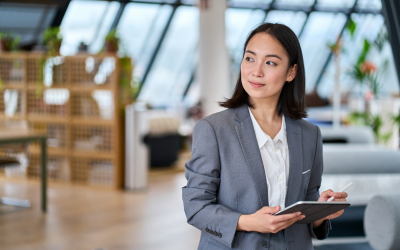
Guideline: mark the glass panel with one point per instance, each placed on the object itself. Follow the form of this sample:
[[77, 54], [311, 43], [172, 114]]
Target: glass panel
[[25, 20], [175, 61], [239, 23], [140, 27], [191, 2], [294, 20], [193, 95], [88, 22], [261, 4], [336, 3], [369, 4], [368, 27], [321, 28], [234, 2], [295, 2], [157, 1]]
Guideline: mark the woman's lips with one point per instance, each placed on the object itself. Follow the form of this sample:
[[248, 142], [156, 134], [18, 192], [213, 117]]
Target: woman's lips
[[256, 84]]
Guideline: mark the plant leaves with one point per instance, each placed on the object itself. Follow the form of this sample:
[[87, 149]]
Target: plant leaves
[[351, 27]]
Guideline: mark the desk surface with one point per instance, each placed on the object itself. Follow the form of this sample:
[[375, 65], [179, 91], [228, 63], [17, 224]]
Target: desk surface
[[18, 134]]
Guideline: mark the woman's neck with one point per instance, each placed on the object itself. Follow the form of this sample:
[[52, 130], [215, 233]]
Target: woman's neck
[[265, 110]]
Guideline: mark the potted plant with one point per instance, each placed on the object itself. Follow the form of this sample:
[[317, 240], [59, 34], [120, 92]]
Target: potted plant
[[8, 42], [112, 42], [52, 38]]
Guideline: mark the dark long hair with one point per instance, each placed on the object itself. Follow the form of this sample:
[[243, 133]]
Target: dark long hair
[[292, 98]]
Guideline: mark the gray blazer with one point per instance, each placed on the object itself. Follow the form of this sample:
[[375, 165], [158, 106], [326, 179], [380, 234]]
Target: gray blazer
[[226, 178]]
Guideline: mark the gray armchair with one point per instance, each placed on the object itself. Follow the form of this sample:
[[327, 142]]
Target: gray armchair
[[381, 225]]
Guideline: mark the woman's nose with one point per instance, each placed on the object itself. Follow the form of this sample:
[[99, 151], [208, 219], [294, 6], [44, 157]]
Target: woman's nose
[[258, 72]]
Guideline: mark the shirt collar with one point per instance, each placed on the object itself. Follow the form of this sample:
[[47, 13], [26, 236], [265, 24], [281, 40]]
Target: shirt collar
[[262, 137]]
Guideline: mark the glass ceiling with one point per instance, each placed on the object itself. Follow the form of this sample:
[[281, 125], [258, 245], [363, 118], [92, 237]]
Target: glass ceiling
[[168, 62], [28, 21]]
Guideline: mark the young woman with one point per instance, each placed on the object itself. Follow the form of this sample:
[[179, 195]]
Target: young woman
[[258, 156]]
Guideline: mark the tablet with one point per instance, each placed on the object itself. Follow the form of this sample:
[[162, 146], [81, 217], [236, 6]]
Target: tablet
[[314, 210]]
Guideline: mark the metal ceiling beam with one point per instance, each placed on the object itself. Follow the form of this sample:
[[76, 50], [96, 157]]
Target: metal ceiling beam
[[391, 10], [118, 15], [62, 9]]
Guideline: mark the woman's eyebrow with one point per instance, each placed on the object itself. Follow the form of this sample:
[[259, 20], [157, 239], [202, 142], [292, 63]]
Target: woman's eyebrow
[[271, 55]]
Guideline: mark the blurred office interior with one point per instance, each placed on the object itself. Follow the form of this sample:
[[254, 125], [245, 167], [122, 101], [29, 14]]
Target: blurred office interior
[[98, 100]]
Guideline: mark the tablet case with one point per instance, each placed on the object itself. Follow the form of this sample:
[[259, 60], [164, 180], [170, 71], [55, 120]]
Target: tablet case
[[314, 210]]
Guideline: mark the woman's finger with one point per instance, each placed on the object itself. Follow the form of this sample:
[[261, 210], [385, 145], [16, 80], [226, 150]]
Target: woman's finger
[[287, 223], [327, 194], [340, 195], [285, 217]]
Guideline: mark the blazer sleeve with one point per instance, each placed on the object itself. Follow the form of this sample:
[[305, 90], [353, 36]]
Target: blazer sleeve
[[313, 189], [203, 174]]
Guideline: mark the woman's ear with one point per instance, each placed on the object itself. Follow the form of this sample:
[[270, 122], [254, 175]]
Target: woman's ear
[[291, 73]]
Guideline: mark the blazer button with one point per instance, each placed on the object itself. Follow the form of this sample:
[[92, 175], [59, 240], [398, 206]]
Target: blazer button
[[207, 230], [219, 235], [265, 244]]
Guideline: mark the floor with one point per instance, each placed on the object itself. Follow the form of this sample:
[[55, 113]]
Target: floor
[[99, 219], [81, 217]]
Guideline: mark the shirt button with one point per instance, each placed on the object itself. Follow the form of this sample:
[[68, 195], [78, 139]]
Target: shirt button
[[280, 178], [274, 149]]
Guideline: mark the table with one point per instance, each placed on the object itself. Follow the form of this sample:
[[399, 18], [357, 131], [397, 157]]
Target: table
[[10, 136]]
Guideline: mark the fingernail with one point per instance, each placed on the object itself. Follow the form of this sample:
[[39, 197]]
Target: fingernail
[[298, 213], [302, 217]]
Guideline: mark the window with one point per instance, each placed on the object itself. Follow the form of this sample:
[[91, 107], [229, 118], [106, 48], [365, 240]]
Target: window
[[368, 27], [369, 4], [176, 59], [321, 28], [336, 3], [88, 22], [140, 28], [294, 20]]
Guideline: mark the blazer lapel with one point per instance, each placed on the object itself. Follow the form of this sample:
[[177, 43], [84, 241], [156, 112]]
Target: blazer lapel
[[293, 133], [252, 155]]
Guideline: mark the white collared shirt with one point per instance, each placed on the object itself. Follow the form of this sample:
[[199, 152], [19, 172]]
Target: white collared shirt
[[275, 158]]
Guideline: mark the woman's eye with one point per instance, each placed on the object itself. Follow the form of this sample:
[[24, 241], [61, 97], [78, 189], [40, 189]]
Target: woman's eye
[[271, 63], [249, 59]]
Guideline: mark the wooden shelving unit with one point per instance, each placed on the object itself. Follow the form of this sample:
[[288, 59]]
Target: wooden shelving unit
[[75, 102]]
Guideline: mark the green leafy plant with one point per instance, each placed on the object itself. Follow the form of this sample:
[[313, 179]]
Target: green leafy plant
[[40, 62], [52, 38], [112, 41], [129, 86], [365, 72], [396, 119], [373, 121], [8, 41]]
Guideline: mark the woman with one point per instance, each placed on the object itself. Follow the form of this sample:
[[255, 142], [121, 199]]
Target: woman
[[258, 156]]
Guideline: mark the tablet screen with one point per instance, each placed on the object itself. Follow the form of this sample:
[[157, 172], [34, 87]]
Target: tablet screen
[[314, 210]]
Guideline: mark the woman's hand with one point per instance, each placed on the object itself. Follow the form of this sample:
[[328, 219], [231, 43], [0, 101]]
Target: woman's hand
[[262, 221], [339, 196]]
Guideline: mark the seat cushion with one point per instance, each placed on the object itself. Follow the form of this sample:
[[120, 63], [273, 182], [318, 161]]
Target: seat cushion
[[382, 221]]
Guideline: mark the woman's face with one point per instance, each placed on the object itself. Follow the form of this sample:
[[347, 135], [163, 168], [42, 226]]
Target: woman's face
[[265, 67]]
